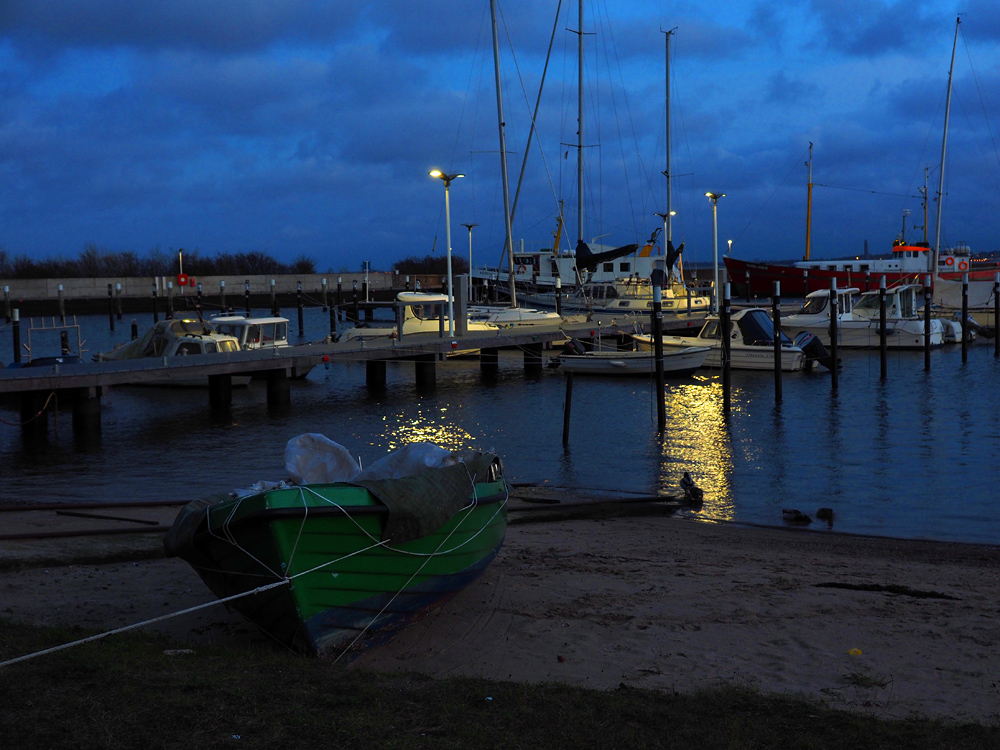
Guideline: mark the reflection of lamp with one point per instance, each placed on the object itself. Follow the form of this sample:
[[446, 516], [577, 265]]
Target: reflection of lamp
[[446, 179], [715, 248]]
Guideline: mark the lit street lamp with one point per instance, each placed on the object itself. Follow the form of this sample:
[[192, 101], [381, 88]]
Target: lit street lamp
[[715, 248], [446, 179], [666, 232]]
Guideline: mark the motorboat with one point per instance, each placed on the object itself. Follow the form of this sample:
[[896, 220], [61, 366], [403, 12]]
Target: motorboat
[[677, 363], [513, 317], [751, 342], [335, 567], [181, 336], [858, 323], [422, 312], [251, 332]]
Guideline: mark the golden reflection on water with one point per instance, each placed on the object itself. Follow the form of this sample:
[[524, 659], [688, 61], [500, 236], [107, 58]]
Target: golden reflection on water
[[698, 440], [431, 425]]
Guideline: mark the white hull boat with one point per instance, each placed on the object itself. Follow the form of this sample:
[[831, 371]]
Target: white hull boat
[[676, 362], [751, 343]]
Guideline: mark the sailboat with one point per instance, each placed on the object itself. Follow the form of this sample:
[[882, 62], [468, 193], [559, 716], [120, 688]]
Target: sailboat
[[606, 282]]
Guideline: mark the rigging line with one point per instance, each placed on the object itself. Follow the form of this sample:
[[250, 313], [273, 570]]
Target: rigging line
[[534, 115], [982, 102], [864, 190], [614, 103], [768, 199], [986, 162]]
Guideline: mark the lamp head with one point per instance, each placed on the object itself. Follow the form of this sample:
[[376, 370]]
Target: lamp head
[[446, 178]]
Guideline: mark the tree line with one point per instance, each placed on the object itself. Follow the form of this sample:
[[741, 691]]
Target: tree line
[[95, 262], [101, 263]]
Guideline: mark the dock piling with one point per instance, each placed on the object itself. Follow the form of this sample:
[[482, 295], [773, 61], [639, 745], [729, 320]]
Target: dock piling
[[725, 312], [776, 317], [834, 335], [298, 304], [246, 296], [156, 313], [883, 345], [118, 300], [222, 295], [965, 318], [16, 324], [111, 308], [996, 314], [6, 302], [927, 322], [62, 305], [658, 277], [170, 300]]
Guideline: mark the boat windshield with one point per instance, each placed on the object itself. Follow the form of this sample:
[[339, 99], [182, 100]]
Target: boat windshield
[[758, 329], [814, 305], [867, 306]]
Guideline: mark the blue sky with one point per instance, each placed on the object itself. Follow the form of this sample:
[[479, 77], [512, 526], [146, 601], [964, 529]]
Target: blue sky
[[308, 128]]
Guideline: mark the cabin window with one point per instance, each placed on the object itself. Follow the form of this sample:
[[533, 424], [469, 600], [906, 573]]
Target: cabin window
[[711, 330], [831, 268], [189, 347], [228, 346], [864, 267], [210, 347], [609, 267], [848, 268], [625, 268], [281, 332], [813, 306], [253, 334]]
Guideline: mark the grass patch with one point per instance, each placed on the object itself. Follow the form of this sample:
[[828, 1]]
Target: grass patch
[[124, 692]]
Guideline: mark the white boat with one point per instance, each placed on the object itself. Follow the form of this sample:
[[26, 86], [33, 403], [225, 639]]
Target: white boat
[[858, 323], [422, 312], [682, 308], [181, 336], [751, 342], [513, 317], [676, 362], [253, 333]]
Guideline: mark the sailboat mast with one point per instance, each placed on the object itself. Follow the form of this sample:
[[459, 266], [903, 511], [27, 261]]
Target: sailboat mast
[[579, 132], [809, 202], [503, 160], [926, 171], [666, 173], [932, 258]]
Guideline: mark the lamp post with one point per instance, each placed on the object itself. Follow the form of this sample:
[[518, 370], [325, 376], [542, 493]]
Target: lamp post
[[729, 252], [446, 179], [714, 197], [469, 227]]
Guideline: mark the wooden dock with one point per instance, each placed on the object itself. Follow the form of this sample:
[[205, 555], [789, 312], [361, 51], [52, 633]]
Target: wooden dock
[[82, 384]]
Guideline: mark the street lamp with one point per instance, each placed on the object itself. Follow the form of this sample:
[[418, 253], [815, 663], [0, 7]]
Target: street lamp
[[666, 216], [469, 227], [729, 252], [715, 248], [446, 179]]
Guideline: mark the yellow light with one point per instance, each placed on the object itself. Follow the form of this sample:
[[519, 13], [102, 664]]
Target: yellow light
[[436, 173]]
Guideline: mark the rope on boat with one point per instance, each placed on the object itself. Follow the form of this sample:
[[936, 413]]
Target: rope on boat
[[286, 579], [133, 626]]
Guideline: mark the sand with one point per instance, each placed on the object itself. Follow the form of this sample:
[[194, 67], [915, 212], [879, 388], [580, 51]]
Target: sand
[[653, 602]]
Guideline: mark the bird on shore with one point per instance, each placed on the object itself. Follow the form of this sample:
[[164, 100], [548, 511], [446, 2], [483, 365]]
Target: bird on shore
[[692, 493], [791, 515]]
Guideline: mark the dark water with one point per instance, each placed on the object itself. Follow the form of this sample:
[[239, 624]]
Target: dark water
[[913, 457]]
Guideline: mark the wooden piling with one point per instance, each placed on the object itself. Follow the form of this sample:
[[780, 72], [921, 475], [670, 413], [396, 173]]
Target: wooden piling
[[834, 334], [965, 318], [883, 344], [927, 322], [724, 314], [776, 317]]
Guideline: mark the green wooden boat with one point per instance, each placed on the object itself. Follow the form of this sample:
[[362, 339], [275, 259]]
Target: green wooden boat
[[329, 568]]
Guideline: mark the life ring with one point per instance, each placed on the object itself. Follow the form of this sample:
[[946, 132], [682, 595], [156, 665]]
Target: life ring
[[963, 266], [521, 268], [949, 261], [182, 279]]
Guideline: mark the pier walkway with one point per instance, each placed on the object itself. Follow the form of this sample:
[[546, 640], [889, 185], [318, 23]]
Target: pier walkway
[[82, 384]]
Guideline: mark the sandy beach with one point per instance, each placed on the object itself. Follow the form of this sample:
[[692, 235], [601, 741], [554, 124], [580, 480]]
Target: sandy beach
[[888, 627]]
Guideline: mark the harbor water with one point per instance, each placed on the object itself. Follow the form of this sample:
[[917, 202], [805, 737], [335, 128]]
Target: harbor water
[[914, 456]]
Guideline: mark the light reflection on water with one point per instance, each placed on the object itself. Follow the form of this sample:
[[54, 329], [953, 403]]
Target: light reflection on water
[[915, 456]]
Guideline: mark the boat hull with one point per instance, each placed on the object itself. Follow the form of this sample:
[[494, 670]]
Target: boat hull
[[741, 357], [346, 589], [865, 334], [679, 363]]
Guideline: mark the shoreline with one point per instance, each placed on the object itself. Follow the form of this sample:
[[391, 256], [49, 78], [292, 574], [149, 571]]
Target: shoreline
[[891, 627]]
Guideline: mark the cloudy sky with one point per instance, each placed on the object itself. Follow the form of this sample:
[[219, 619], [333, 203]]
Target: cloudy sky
[[305, 127]]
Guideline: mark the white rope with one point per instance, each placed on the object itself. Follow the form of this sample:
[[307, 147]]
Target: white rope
[[285, 580], [257, 590]]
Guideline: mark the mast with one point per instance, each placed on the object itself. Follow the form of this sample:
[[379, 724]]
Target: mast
[[924, 193], [932, 258], [503, 160], [666, 173], [809, 202], [579, 132]]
